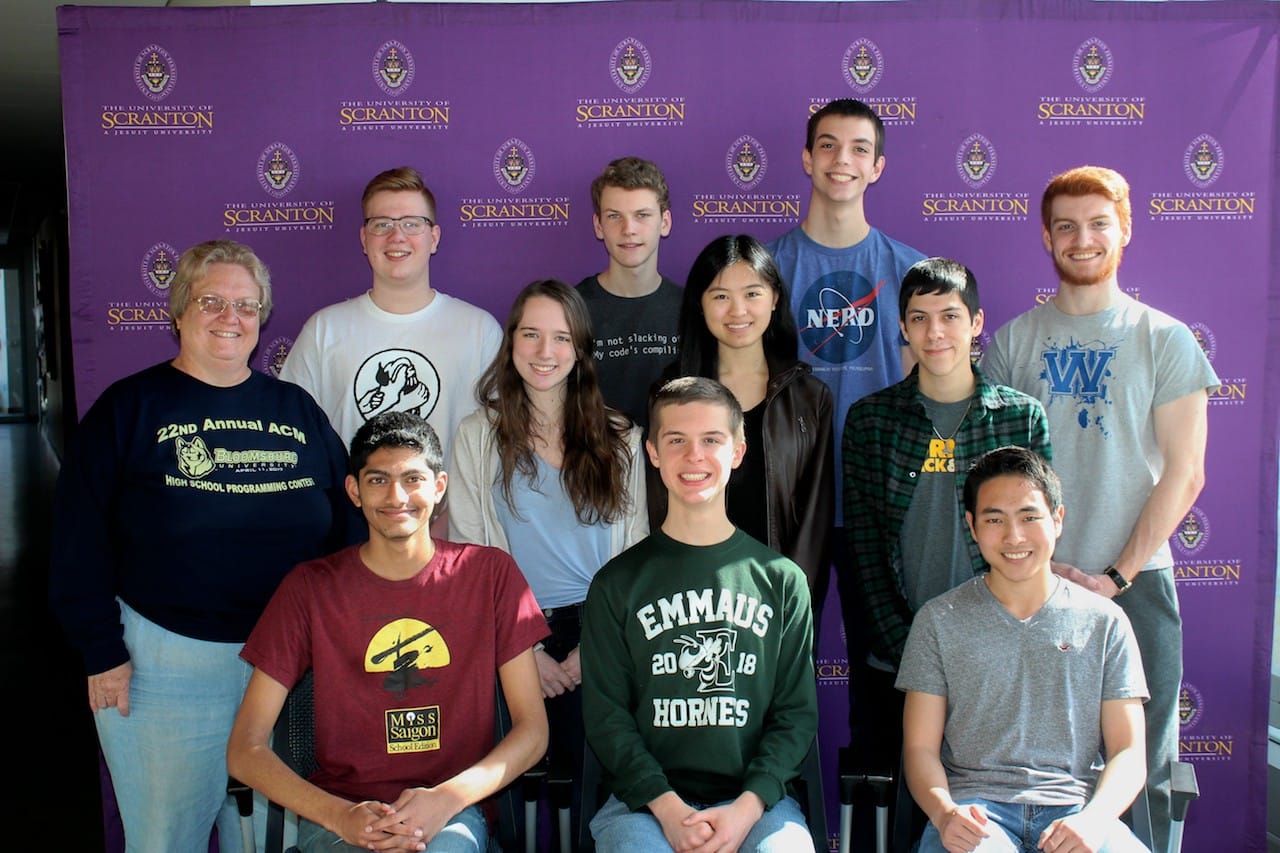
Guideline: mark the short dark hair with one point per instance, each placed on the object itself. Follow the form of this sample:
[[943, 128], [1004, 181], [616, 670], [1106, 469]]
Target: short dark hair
[[632, 173], [852, 108], [395, 429], [1012, 461], [695, 389], [938, 276]]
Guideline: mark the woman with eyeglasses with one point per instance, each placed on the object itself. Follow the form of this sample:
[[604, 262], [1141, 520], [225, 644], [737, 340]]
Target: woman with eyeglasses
[[545, 471], [192, 488], [736, 327]]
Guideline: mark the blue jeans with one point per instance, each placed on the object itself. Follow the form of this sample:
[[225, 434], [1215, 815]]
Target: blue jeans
[[168, 758], [780, 829], [466, 832], [1016, 828]]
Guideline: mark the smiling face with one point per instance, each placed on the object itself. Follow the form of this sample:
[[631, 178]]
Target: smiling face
[[1015, 530], [399, 261], [695, 450], [939, 331], [738, 306], [397, 492], [632, 224], [542, 347], [843, 162], [1086, 239], [215, 344]]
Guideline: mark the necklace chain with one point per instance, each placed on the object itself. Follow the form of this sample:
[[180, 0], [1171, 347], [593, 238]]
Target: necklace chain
[[959, 424]]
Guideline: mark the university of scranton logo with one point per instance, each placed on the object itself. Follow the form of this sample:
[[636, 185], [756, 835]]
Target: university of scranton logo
[[975, 163], [1205, 337], [1091, 68], [832, 671], [746, 162], [393, 68], [863, 66], [272, 356], [278, 169], [630, 65], [397, 380], [156, 75], [1190, 706], [1199, 747], [838, 316], [1092, 65], [1192, 533], [1232, 391], [154, 72], [976, 160], [156, 270], [158, 266], [1202, 162], [513, 166], [1206, 573]]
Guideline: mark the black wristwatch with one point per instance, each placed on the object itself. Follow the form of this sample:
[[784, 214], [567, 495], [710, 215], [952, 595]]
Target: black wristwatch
[[1122, 583]]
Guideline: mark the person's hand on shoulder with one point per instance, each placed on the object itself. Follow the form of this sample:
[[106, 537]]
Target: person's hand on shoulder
[[1094, 583]]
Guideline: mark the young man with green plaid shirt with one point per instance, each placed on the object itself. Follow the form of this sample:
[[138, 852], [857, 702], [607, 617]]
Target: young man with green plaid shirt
[[906, 451]]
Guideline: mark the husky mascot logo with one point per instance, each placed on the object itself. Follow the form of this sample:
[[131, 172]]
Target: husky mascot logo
[[194, 458]]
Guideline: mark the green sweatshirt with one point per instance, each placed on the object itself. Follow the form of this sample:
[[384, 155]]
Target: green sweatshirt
[[697, 667]]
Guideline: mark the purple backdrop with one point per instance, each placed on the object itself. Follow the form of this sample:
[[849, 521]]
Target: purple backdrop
[[263, 124]]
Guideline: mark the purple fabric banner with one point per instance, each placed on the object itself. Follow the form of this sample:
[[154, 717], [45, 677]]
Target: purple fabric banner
[[263, 125]]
